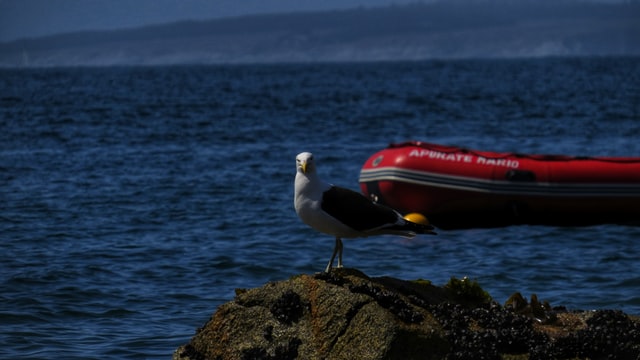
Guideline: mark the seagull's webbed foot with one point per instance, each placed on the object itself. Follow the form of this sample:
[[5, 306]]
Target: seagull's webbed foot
[[337, 250]]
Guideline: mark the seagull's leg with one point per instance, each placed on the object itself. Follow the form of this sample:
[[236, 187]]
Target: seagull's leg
[[339, 245], [335, 251]]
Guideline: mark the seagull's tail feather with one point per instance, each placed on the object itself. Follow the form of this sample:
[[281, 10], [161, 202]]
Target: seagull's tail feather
[[415, 228], [404, 228]]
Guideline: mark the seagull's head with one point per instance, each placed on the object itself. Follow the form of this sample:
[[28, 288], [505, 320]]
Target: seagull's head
[[304, 163]]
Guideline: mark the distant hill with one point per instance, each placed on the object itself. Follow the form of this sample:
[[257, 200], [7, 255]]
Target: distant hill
[[453, 29]]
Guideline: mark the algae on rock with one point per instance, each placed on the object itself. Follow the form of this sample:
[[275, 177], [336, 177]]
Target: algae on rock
[[346, 315]]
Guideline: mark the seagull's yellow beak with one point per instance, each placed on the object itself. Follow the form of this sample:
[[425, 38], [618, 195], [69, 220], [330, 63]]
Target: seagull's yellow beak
[[303, 166]]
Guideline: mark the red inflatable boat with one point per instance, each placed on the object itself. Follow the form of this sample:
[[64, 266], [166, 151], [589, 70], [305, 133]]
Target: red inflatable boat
[[459, 188]]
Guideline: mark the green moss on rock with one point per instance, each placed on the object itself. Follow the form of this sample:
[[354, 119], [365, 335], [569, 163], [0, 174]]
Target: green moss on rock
[[468, 291]]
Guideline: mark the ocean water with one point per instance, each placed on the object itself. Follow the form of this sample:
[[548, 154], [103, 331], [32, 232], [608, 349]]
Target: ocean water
[[134, 200]]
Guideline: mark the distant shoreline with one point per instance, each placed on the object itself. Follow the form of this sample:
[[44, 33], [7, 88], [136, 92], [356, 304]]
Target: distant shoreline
[[408, 32]]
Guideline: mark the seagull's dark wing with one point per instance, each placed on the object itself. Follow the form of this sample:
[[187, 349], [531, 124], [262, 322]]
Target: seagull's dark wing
[[355, 210]]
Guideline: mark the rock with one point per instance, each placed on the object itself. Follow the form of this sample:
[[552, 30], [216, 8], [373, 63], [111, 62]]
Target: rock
[[347, 315]]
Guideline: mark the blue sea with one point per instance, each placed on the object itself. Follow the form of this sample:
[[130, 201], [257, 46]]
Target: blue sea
[[134, 200]]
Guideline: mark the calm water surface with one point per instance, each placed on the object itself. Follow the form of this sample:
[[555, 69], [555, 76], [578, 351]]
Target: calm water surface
[[135, 200]]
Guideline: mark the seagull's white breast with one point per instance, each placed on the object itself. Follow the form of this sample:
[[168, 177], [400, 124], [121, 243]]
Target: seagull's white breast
[[308, 205]]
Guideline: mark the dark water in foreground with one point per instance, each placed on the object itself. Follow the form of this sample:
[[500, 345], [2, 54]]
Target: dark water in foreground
[[135, 200]]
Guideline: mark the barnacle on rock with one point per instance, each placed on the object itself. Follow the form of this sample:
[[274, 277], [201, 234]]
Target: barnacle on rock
[[484, 332], [391, 301], [536, 310], [331, 277], [319, 317], [285, 351], [288, 308]]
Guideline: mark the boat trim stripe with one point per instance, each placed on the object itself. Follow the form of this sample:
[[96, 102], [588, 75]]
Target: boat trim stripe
[[496, 186]]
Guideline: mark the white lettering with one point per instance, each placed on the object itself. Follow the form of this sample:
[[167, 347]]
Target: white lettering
[[431, 154], [466, 158], [498, 162]]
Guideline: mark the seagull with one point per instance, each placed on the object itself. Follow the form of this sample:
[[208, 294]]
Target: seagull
[[344, 213]]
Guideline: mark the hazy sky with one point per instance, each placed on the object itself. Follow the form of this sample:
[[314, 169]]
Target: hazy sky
[[28, 18]]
